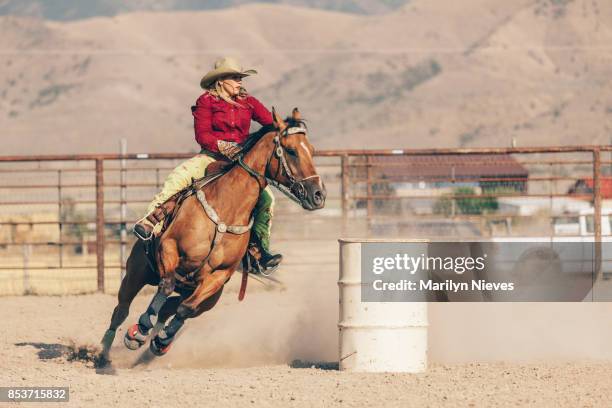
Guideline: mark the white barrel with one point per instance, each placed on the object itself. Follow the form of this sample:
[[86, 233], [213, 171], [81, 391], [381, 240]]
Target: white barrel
[[377, 336]]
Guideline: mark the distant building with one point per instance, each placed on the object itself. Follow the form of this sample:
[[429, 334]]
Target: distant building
[[487, 171], [423, 179]]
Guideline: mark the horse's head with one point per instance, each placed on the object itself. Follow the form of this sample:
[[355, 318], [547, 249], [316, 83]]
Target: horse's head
[[294, 165]]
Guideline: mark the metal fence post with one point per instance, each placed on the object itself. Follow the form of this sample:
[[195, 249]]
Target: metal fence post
[[60, 218], [369, 186], [597, 209], [100, 222], [344, 184], [123, 182], [344, 191], [454, 199], [27, 253]]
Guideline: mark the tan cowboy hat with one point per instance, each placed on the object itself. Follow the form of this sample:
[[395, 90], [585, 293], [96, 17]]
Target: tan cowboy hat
[[222, 67]]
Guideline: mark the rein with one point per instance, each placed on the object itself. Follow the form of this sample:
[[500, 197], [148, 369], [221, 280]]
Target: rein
[[296, 190]]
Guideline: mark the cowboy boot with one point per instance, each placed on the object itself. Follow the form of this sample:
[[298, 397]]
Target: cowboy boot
[[267, 260], [143, 229]]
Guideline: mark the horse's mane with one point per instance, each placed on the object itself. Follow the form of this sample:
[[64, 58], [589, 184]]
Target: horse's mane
[[254, 137]]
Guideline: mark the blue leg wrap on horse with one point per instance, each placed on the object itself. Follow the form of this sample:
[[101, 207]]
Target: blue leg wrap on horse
[[167, 335], [107, 340], [144, 323]]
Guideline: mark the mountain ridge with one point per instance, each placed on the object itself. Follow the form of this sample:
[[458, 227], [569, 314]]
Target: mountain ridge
[[418, 77], [77, 9]]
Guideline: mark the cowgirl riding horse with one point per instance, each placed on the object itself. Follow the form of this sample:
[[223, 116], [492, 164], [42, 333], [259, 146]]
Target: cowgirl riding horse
[[207, 236], [222, 117]]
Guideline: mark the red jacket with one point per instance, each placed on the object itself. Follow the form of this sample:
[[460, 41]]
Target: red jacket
[[214, 119]]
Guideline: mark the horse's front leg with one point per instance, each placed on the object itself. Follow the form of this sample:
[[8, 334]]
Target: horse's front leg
[[168, 259], [204, 298]]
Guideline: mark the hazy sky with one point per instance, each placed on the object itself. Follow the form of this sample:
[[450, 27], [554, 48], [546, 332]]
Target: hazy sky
[[76, 9]]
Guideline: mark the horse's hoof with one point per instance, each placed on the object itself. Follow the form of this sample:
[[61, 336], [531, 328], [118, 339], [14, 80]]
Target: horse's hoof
[[157, 348], [103, 360], [133, 339]]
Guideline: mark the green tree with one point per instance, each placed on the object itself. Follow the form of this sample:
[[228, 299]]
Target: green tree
[[465, 202]]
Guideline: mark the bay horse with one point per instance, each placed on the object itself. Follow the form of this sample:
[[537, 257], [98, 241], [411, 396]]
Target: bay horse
[[207, 238]]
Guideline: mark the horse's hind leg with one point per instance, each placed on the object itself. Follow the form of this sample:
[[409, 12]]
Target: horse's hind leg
[[168, 259], [205, 297], [138, 273], [166, 312]]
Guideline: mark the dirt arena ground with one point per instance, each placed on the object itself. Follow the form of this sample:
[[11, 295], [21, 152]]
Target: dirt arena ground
[[278, 347]]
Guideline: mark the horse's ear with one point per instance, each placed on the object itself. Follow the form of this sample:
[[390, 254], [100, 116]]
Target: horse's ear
[[296, 115], [279, 123]]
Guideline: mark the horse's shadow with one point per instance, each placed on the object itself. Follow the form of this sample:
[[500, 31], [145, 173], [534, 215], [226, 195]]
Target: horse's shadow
[[48, 351]]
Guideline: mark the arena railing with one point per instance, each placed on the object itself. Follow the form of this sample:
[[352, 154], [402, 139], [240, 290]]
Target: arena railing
[[113, 189]]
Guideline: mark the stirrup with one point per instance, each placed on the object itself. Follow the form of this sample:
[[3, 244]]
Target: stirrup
[[275, 259], [139, 235], [251, 260], [268, 271], [261, 256], [256, 268]]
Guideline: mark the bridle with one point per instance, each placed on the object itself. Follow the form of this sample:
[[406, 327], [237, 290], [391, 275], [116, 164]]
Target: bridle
[[296, 190]]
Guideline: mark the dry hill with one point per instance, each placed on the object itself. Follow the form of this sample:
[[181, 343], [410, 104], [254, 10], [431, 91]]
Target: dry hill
[[430, 74], [78, 9]]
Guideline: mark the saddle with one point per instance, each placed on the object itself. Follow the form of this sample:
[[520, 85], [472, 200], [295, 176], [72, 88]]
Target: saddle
[[166, 212], [224, 161]]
